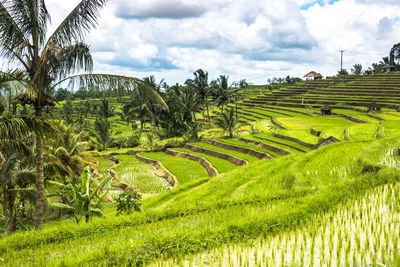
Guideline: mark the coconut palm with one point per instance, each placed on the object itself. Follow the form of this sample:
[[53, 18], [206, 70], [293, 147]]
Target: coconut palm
[[15, 177], [357, 69], [384, 61], [48, 62], [200, 85], [228, 122], [190, 101], [69, 155], [223, 94], [137, 109]]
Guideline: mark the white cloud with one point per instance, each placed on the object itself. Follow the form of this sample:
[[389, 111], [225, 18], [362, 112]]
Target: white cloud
[[252, 39]]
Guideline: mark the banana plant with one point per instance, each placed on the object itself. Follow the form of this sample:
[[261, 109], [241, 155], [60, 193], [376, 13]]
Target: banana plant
[[83, 198]]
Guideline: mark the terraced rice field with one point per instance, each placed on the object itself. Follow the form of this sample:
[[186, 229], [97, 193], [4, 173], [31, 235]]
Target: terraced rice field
[[140, 175], [222, 165], [336, 205], [362, 232], [185, 170]]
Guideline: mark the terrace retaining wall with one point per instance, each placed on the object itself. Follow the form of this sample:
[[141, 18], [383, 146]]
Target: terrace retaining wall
[[248, 151], [160, 170], [210, 169], [298, 141], [280, 143], [221, 155], [265, 146]]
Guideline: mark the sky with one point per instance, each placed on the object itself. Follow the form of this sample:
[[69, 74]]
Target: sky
[[245, 39]]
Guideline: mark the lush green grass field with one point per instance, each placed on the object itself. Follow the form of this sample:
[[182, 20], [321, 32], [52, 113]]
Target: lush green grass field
[[211, 212], [337, 205]]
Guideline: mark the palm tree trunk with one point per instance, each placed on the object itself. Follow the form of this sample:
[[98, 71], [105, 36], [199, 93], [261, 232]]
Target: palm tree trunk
[[236, 108], [194, 116], [39, 213], [39, 184], [208, 113], [204, 115], [5, 205], [2, 160], [222, 110], [141, 127], [11, 208]]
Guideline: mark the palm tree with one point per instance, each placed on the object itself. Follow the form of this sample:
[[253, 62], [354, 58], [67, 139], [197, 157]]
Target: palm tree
[[103, 133], [68, 157], [200, 84], [49, 62], [15, 176], [106, 111], [223, 94], [357, 69], [190, 101], [228, 122], [137, 109], [384, 61]]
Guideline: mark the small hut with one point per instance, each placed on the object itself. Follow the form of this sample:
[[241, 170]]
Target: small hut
[[374, 107], [312, 75], [326, 110]]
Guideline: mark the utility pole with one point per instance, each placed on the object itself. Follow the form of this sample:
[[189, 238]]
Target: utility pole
[[341, 59]]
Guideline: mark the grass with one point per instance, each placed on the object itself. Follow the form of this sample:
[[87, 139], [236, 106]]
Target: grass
[[103, 165], [236, 142], [240, 155], [336, 205], [280, 146], [358, 233], [287, 143], [213, 212], [310, 122], [301, 134], [185, 170], [220, 164], [140, 175]]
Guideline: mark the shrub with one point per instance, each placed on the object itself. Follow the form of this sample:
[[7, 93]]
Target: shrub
[[128, 201]]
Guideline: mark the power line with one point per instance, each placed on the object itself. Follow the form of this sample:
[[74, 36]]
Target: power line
[[366, 53]]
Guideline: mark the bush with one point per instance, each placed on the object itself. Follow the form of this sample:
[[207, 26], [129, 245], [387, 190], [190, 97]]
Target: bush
[[128, 201]]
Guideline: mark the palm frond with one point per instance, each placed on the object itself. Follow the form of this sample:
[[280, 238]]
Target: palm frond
[[109, 81], [61, 206], [81, 19], [32, 17], [12, 36], [74, 58], [12, 128], [26, 175]]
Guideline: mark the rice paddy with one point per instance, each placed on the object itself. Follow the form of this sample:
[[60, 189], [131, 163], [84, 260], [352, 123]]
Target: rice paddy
[[360, 232]]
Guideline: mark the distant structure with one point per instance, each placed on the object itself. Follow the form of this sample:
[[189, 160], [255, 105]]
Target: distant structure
[[374, 107], [312, 75], [326, 110]]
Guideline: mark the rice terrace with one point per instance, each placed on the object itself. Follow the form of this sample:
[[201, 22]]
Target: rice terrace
[[223, 163]]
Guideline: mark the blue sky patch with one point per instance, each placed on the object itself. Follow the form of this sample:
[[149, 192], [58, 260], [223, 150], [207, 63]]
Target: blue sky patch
[[319, 2]]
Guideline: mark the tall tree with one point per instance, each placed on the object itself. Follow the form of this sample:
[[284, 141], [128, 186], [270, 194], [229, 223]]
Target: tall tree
[[228, 122], [52, 61], [357, 69], [190, 101], [223, 93], [200, 84]]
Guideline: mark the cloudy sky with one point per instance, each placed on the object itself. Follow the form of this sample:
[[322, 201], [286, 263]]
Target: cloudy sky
[[245, 39]]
